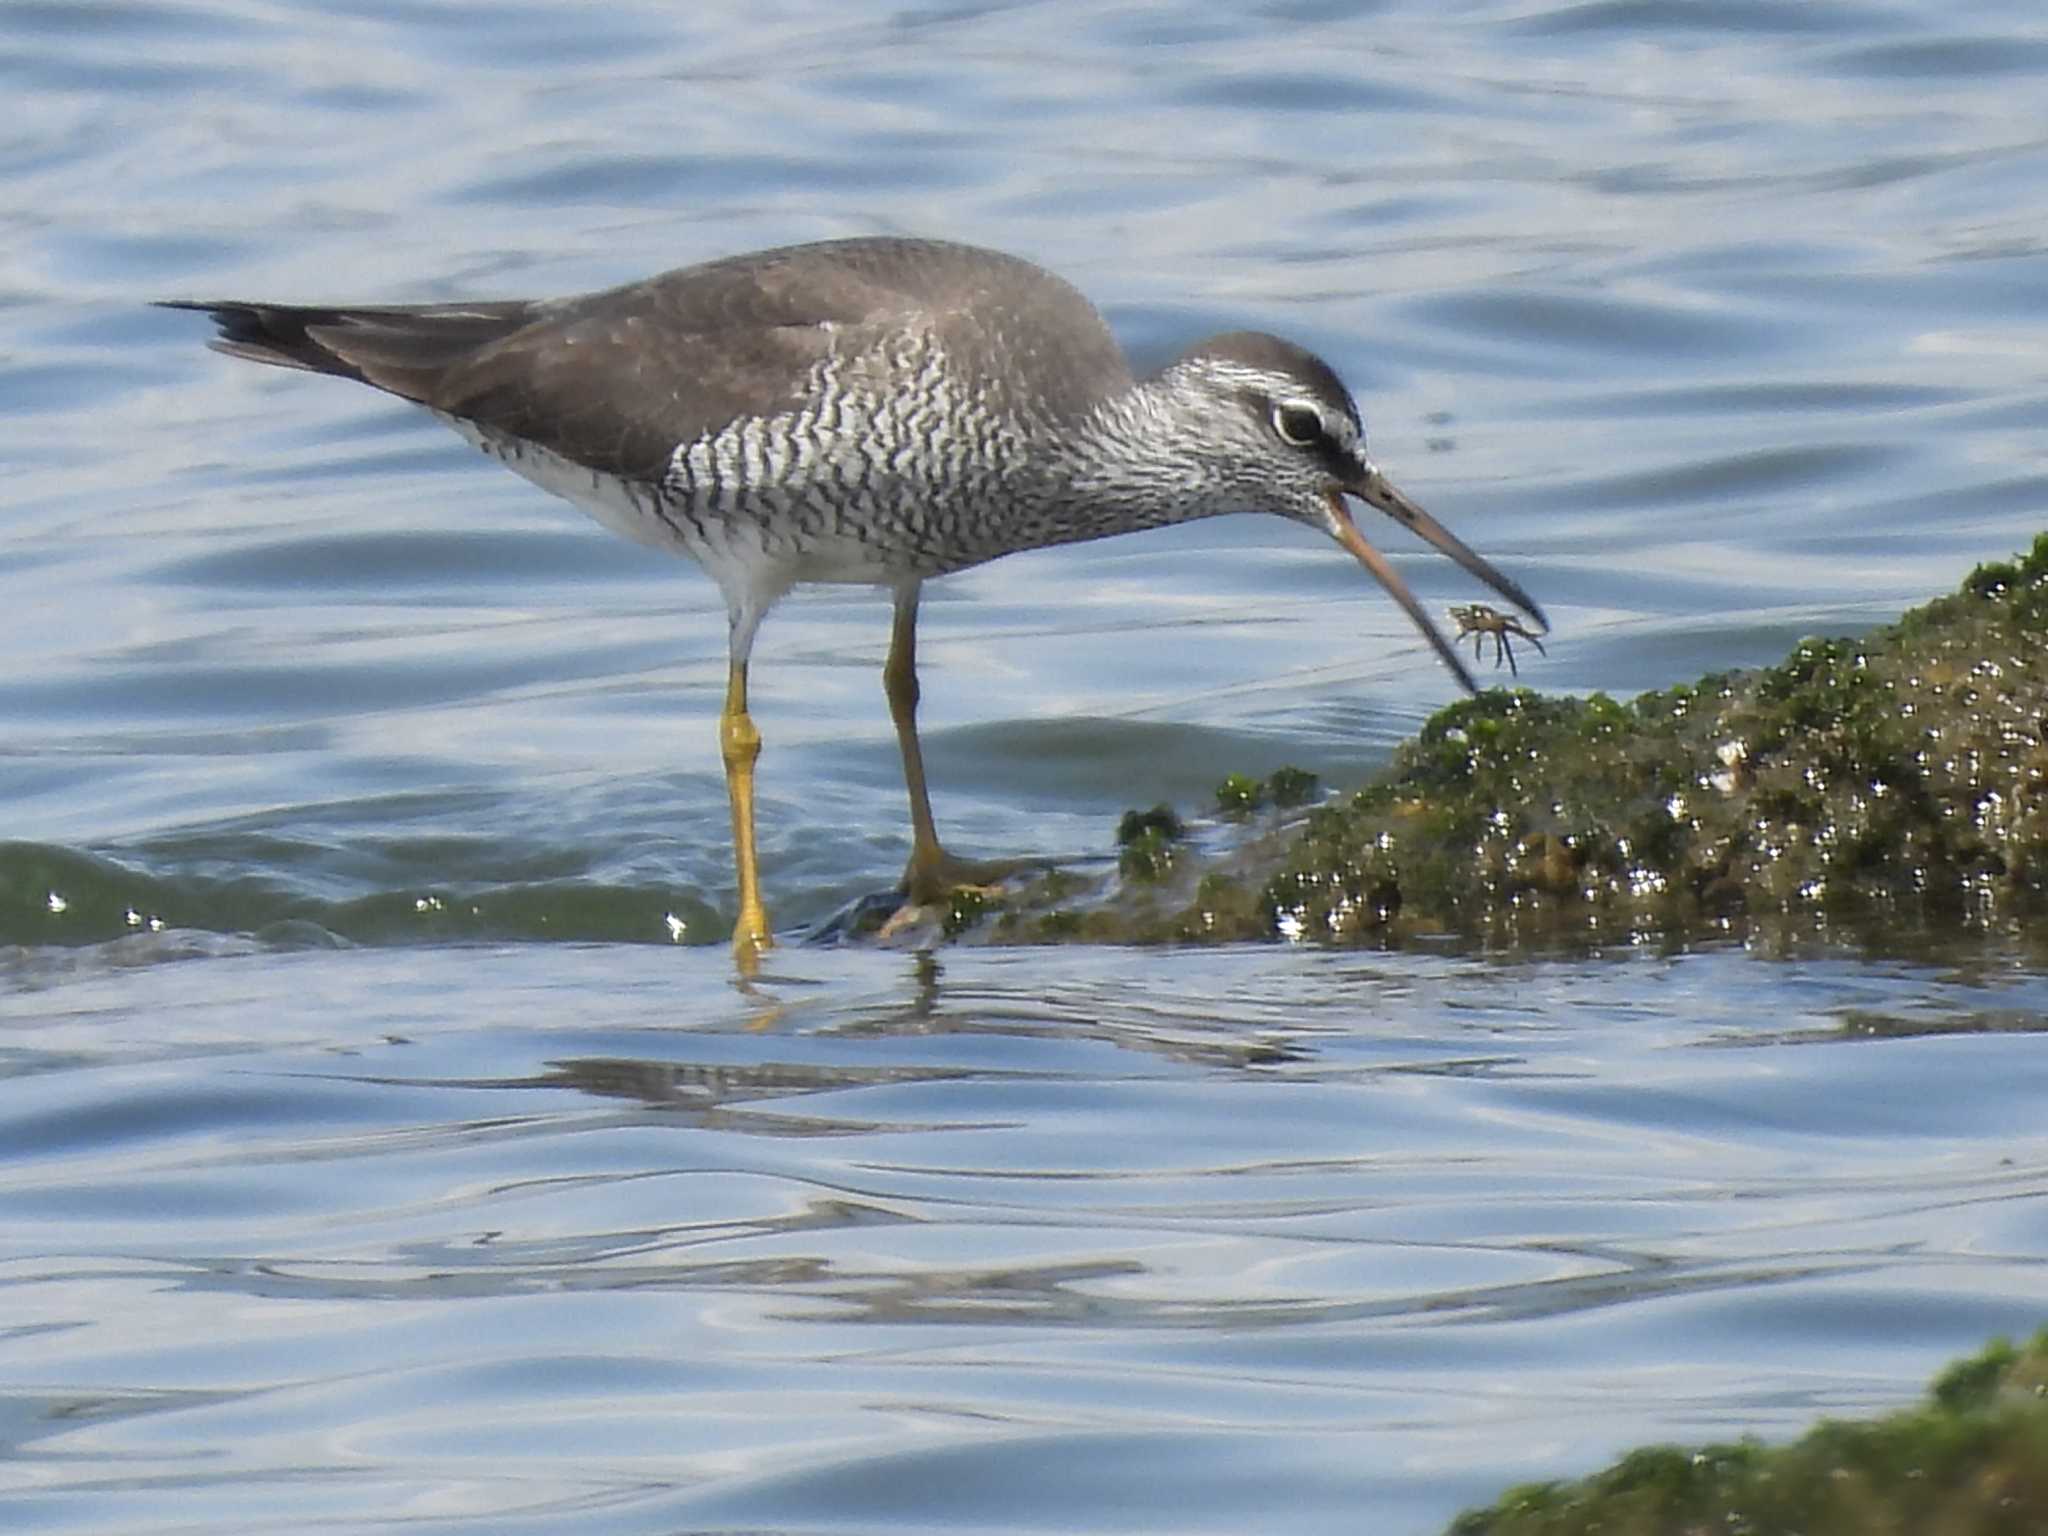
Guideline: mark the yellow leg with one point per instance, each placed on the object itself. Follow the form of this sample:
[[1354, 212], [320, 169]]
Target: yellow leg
[[740, 744]]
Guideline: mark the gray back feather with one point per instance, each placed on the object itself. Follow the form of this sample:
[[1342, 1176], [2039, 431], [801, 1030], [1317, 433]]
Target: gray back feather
[[616, 380]]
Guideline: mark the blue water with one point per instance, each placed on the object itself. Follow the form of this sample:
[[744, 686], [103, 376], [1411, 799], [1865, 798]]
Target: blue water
[[502, 1238], [375, 1156]]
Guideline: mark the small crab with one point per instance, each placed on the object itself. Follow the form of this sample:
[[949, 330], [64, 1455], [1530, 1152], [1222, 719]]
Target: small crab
[[1480, 621]]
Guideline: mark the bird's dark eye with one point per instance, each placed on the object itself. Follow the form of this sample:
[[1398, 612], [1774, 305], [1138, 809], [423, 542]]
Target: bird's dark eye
[[1300, 425]]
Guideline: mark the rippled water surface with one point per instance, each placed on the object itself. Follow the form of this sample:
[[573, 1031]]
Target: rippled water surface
[[335, 1193], [493, 1238]]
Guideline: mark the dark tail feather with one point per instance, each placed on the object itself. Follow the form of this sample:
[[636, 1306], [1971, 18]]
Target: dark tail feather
[[403, 349], [270, 333]]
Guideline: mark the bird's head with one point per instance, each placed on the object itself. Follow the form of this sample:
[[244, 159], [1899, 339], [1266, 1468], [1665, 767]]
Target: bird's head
[[1280, 433]]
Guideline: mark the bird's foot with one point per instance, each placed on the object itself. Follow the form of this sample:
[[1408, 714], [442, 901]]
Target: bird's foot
[[932, 875], [750, 941], [953, 890]]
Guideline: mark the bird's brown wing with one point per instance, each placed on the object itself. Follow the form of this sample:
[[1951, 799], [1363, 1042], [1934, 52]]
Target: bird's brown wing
[[615, 380]]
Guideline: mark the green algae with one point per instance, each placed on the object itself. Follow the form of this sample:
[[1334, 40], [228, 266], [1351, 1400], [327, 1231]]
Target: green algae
[[1239, 795], [1161, 821], [1868, 789], [1147, 843], [1971, 1460], [1289, 787]]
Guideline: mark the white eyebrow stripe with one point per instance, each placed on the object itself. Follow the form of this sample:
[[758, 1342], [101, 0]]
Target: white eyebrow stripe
[[1284, 389]]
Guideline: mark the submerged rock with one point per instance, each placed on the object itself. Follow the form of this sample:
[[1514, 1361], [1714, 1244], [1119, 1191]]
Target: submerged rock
[[1894, 785]]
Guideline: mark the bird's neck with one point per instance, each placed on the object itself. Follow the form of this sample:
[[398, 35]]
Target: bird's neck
[[1133, 460]]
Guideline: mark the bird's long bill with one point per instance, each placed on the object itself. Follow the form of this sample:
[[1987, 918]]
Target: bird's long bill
[[1374, 488]]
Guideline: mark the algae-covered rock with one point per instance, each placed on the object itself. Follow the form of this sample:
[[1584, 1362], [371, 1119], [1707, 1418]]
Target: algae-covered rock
[[1972, 1460], [1902, 777], [1895, 784], [1148, 842]]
